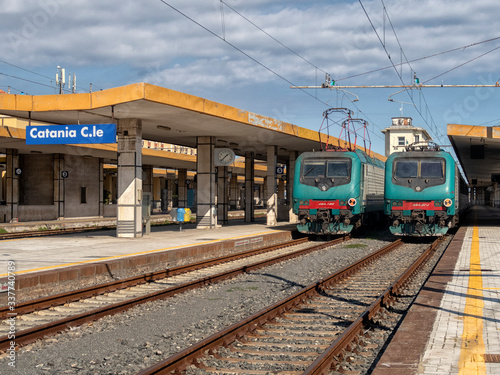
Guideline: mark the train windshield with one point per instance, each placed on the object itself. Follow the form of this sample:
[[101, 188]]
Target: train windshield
[[432, 169], [406, 169], [313, 169], [337, 168], [334, 172], [421, 172]]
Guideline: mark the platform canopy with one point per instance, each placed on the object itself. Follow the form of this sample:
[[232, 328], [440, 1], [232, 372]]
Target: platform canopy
[[167, 116], [478, 150]]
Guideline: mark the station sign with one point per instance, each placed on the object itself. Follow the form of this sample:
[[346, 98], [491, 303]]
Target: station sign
[[70, 134]]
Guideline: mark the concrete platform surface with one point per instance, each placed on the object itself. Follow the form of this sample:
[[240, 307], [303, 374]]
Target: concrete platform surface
[[51, 252], [453, 326]]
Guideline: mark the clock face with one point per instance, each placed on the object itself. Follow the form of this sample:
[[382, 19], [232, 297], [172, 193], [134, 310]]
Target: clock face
[[224, 156]]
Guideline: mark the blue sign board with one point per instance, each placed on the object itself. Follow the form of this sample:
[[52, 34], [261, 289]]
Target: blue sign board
[[70, 134]]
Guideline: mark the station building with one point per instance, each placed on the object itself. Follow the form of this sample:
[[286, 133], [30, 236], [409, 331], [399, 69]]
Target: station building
[[40, 177], [403, 133], [172, 150]]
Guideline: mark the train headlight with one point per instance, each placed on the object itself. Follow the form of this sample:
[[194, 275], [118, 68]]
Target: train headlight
[[351, 202], [448, 202]]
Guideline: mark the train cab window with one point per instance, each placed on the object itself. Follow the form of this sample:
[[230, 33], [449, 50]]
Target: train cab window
[[327, 172], [421, 173], [314, 169], [432, 169], [406, 169], [337, 169]]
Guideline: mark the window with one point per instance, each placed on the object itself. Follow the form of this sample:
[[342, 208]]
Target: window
[[314, 169], [406, 169], [401, 141], [432, 169], [417, 138], [83, 194], [332, 171], [421, 173], [337, 169]]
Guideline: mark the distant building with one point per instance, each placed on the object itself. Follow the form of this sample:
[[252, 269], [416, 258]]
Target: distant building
[[402, 133]]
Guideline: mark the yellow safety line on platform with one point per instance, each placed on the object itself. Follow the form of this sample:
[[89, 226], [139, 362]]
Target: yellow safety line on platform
[[473, 350], [131, 254]]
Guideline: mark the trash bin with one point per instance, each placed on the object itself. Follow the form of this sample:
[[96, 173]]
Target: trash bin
[[173, 214], [180, 214], [187, 215]]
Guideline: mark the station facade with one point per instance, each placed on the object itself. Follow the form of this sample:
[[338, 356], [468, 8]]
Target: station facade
[[166, 155], [40, 186], [170, 151]]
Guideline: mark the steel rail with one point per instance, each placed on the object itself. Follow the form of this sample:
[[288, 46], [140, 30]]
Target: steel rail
[[49, 232], [178, 362], [29, 335], [336, 351], [62, 298]]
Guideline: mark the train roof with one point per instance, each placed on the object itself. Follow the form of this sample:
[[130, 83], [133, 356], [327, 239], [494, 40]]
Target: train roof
[[362, 155], [420, 154]]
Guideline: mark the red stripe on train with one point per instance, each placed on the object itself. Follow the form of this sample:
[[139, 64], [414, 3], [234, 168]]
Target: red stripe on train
[[323, 204], [418, 206]]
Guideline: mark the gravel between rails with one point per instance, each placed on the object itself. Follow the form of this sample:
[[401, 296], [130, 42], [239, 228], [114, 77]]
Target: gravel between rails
[[138, 338]]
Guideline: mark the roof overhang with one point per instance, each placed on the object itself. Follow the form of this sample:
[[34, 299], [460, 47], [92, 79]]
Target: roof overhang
[[168, 116], [478, 150]]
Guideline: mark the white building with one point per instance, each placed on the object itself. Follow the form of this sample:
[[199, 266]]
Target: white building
[[401, 134]]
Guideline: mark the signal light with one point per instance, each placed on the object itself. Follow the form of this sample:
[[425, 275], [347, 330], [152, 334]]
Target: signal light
[[351, 202], [448, 202]]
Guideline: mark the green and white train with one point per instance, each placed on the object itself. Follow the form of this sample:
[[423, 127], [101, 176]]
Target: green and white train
[[337, 191], [424, 192]]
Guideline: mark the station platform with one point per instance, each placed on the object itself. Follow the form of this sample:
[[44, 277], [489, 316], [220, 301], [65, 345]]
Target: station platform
[[52, 264], [453, 327], [97, 222]]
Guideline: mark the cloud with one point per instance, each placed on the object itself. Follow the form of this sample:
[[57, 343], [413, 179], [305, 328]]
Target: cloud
[[335, 37], [208, 54]]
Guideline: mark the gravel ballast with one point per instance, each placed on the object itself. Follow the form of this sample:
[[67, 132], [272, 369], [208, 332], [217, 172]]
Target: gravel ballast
[[140, 337]]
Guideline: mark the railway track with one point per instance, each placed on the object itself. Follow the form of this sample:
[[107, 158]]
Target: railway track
[[49, 232], [46, 316], [70, 230], [311, 332]]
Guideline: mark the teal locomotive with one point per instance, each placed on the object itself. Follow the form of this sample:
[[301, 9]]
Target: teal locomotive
[[336, 191], [424, 191]]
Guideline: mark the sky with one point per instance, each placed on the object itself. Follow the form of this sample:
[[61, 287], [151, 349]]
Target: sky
[[248, 54]]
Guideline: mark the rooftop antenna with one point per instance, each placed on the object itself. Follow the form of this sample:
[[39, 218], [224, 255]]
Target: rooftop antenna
[[60, 78], [72, 82]]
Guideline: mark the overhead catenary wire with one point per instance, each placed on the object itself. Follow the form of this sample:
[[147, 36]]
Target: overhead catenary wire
[[460, 65], [304, 59], [298, 55], [31, 72], [26, 70], [251, 57], [395, 68], [422, 96], [272, 37], [420, 58], [237, 49], [24, 79]]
